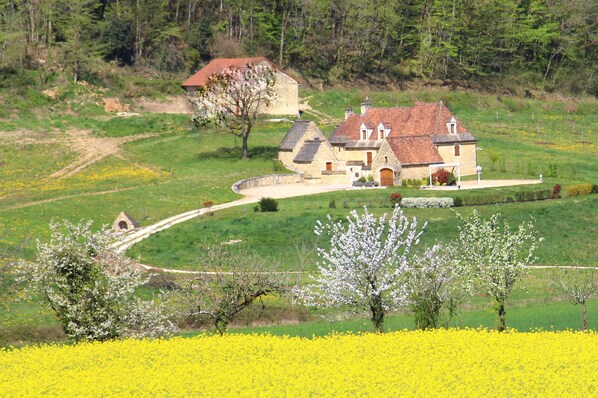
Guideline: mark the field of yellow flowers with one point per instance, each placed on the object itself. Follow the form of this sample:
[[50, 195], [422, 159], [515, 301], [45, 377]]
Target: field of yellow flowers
[[436, 363]]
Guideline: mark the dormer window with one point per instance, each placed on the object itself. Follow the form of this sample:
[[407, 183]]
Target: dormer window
[[365, 131], [452, 126], [383, 131]]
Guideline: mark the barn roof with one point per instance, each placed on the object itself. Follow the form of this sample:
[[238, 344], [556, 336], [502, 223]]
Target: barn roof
[[219, 65]]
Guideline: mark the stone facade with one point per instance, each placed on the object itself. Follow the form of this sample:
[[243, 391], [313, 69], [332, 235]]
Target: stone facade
[[386, 144], [286, 87], [287, 90]]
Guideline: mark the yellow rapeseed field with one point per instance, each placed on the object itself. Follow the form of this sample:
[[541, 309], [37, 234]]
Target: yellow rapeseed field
[[443, 363]]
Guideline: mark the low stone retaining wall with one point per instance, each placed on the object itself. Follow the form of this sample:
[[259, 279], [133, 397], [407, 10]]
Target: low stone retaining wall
[[271, 179]]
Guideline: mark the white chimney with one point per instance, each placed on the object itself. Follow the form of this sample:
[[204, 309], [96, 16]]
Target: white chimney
[[348, 112], [365, 105]]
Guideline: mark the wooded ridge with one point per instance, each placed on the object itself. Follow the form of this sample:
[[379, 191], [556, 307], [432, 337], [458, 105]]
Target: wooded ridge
[[550, 45]]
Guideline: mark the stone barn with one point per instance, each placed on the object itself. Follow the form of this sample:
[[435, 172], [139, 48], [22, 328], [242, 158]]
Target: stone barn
[[124, 223], [286, 87]]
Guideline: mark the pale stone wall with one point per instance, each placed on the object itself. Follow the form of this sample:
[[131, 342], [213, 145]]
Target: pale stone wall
[[385, 159], [357, 155], [271, 179], [287, 102], [335, 178], [315, 168], [467, 157], [415, 172]]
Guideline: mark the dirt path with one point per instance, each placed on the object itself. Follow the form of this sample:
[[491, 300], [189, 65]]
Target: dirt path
[[324, 118], [93, 149], [40, 202]]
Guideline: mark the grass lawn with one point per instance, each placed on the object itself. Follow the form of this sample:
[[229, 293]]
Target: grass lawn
[[180, 168], [565, 224]]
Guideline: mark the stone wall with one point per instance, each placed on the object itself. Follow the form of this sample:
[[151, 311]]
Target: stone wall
[[287, 102], [271, 179], [467, 157]]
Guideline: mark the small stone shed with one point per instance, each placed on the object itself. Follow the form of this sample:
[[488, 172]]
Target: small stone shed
[[124, 223]]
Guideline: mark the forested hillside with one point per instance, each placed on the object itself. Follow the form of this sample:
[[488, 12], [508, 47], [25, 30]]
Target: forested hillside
[[549, 45]]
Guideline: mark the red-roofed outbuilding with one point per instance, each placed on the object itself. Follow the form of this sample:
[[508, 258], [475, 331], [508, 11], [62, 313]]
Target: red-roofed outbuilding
[[286, 87]]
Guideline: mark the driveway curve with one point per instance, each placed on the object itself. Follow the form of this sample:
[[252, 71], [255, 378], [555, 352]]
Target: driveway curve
[[251, 195]]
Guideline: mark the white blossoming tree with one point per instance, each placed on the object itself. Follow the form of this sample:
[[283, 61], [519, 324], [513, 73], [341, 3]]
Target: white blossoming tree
[[577, 286], [365, 264], [234, 97], [436, 285], [91, 287], [498, 256]]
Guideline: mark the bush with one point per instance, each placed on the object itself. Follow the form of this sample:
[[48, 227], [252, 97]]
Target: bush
[[579, 189], [358, 183], [332, 204], [443, 177], [268, 204], [277, 165], [458, 201], [556, 192], [362, 179], [594, 188], [395, 199], [208, 204], [427, 202]]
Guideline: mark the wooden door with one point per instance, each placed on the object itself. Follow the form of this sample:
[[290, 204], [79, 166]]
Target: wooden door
[[387, 177], [369, 158]]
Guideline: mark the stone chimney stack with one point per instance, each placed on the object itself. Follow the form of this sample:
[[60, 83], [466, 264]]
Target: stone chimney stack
[[365, 105], [348, 112]]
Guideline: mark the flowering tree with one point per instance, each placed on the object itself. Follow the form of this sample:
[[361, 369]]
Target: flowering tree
[[234, 97], [498, 256], [577, 286], [90, 287], [436, 283], [365, 263]]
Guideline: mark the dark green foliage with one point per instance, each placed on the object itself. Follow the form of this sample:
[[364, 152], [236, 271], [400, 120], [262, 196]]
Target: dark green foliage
[[457, 201], [519, 46], [268, 205], [332, 204]]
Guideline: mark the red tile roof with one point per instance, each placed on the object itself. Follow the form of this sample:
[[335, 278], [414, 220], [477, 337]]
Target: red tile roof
[[415, 150], [421, 119], [219, 65]]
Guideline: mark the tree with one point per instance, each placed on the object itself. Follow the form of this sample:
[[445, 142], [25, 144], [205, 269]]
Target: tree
[[365, 264], [577, 286], [227, 284], [436, 283], [234, 97], [91, 287], [497, 256]]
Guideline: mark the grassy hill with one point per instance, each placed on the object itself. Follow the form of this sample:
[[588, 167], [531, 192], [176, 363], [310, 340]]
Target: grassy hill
[[156, 165]]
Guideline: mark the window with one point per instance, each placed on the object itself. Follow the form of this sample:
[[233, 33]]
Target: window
[[457, 150], [369, 158], [385, 159], [452, 126], [328, 166], [363, 134]]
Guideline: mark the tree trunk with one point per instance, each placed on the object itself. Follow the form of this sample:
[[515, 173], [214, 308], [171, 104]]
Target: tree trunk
[[502, 321], [245, 154], [585, 317], [377, 310]]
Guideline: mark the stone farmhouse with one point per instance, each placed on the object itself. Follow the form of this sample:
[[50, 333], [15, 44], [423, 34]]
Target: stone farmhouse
[[386, 144], [286, 87]]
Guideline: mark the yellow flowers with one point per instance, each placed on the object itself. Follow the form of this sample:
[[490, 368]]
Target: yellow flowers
[[456, 363]]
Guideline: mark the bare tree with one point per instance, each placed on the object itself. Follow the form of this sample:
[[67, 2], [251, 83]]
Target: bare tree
[[234, 97], [228, 283], [578, 286]]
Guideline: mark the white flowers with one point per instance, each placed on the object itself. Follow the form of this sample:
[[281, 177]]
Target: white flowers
[[364, 264]]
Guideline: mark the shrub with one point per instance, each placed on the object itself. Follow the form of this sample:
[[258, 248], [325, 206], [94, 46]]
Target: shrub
[[579, 189], [458, 201], [395, 199], [345, 203], [268, 204], [427, 202], [370, 178], [332, 204], [277, 165], [556, 192], [208, 204], [443, 177], [362, 179], [594, 188], [358, 183], [256, 208]]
